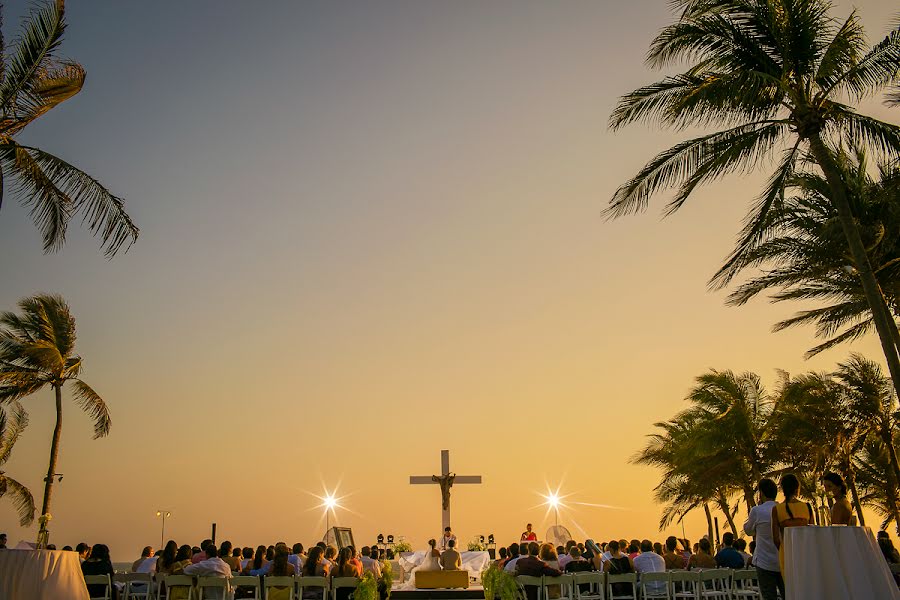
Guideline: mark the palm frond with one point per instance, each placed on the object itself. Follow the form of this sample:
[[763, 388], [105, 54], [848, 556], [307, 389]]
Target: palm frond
[[41, 36], [103, 212], [22, 500], [862, 131], [878, 68], [11, 427], [93, 404], [53, 85]]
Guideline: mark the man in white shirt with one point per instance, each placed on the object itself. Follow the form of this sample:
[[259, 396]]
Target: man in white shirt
[[649, 561], [211, 566], [765, 557], [370, 565], [297, 558]]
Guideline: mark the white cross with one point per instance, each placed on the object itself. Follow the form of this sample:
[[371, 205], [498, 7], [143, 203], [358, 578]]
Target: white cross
[[446, 480]]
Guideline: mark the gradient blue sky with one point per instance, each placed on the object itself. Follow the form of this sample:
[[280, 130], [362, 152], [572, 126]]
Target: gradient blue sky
[[371, 231]]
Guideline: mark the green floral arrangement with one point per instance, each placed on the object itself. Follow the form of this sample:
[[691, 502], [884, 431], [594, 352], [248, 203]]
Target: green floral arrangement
[[476, 546], [402, 546], [497, 582], [367, 588], [387, 575]]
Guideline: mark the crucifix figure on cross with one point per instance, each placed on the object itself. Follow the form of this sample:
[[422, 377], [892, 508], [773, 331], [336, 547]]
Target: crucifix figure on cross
[[445, 480]]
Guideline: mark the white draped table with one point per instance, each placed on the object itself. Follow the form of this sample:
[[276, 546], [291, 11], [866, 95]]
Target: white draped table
[[835, 563], [41, 575], [473, 562]]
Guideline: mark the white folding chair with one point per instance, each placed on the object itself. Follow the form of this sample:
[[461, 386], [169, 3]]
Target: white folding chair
[[715, 584], [684, 584], [206, 583], [744, 585], [523, 581], [621, 579], [103, 580], [270, 582], [342, 582], [595, 581], [173, 581], [565, 583], [247, 581], [655, 585], [310, 582], [138, 586]]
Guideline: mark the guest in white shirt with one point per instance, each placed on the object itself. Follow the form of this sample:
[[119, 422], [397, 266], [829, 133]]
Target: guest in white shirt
[[765, 555], [146, 554], [370, 565], [296, 557], [514, 556], [649, 561], [211, 566]]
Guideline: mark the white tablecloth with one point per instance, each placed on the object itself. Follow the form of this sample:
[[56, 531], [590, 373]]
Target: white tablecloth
[[835, 563], [473, 562], [41, 575]]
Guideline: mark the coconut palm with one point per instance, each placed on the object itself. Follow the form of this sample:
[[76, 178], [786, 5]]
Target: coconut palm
[[805, 257], [37, 350], [33, 80], [11, 427], [880, 490], [774, 75]]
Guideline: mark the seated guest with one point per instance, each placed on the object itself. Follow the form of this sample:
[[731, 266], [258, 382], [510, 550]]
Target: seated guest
[[99, 564], [167, 559], [514, 554], [246, 557], [331, 553], [296, 557], [369, 564], [549, 556], [533, 566], [65, 548], [575, 563], [346, 567], [315, 565], [703, 558], [618, 564], [211, 566], [258, 563], [728, 557], [146, 554], [649, 561], [634, 549], [200, 553], [658, 548], [280, 567], [503, 555], [741, 546], [566, 557], [233, 562], [674, 560], [450, 558], [83, 550], [182, 560]]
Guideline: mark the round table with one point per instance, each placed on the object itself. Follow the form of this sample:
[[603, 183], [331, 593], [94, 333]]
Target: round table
[[41, 575], [835, 563]]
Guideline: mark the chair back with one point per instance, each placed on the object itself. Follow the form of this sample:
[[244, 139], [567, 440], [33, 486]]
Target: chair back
[[614, 582], [655, 585], [100, 580], [137, 585], [594, 581], [744, 584], [247, 581], [281, 581], [565, 583]]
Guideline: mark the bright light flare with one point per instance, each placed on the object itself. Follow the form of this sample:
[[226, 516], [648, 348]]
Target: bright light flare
[[553, 500], [329, 502]]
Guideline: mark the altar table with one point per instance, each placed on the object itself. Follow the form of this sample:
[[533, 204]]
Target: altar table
[[41, 575], [835, 563]]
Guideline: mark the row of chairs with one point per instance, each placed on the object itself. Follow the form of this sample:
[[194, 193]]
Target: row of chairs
[[710, 584], [141, 586]]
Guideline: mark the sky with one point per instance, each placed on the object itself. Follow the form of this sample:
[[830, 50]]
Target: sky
[[369, 232]]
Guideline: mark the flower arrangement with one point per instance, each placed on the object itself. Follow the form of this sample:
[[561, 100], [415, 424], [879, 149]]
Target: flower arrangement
[[498, 582], [387, 576], [367, 588], [402, 546], [475, 545]]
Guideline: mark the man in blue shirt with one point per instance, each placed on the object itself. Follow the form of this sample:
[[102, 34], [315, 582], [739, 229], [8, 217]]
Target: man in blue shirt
[[728, 557]]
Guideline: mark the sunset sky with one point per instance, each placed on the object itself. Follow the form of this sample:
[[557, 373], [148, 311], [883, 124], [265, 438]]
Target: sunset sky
[[370, 231]]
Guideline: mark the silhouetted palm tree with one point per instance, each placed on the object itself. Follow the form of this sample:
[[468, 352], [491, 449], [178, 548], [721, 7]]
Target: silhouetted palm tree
[[11, 426], [32, 82], [37, 350], [776, 75]]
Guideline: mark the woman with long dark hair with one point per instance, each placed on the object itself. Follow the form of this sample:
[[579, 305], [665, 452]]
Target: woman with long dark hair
[[99, 564], [841, 511], [280, 568], [790, 513], [167, 559]]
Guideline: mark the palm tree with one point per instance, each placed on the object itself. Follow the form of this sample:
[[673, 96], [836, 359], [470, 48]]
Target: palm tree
[[805, 255], [11, 428], [880, 490], [773, 74], [32, 82], [37, 349]]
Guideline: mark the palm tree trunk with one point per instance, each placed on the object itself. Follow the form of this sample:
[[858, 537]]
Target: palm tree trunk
[[44, 533], [709, 522], [881, 315], [723, 506], [851, 483]]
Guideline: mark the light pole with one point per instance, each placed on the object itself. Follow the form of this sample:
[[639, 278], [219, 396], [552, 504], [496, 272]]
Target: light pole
[[162, 535]]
